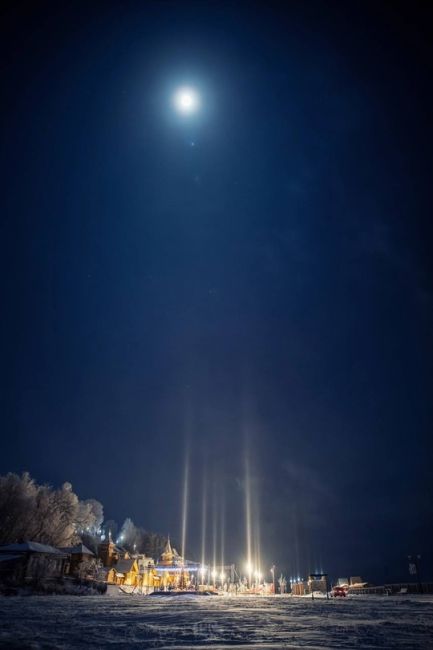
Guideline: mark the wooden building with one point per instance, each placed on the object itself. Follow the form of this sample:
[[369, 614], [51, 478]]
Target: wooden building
[[31, 561], [109, 553], [77, 554], [125, 572]]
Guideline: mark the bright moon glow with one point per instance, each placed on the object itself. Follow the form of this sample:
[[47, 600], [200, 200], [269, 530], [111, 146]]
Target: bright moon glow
[[186, 100]]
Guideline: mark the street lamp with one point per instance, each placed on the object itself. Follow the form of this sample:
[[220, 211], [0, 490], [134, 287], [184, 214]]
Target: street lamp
[[249, 570]]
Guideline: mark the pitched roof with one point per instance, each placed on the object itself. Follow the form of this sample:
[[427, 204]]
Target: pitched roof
[[5, 557], [30, 547], [79, 549], [168, 548], [124, 566]]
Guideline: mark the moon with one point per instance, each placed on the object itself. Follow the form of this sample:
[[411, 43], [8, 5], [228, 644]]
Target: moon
[[186, 100]]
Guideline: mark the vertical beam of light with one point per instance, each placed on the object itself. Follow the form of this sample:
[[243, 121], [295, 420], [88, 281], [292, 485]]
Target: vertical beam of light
[[295, 529], [185, 492], [185, 504], [203, 519], [222, 526], [257, 549], [214, 526], [248, 509]]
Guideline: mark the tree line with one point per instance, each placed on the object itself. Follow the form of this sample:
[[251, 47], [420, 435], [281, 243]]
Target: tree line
[[40, 513]]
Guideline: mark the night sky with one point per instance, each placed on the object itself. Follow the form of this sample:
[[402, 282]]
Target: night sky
[[251, 281]]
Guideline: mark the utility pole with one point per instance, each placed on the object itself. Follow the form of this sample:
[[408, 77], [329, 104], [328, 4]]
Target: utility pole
[[414, 569], [273, 576]]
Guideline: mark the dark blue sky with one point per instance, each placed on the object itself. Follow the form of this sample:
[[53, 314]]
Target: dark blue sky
[[270, 287]]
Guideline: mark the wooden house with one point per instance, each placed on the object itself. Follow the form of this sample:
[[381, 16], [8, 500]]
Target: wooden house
[[125, 572], [77, 554], [31, 561]]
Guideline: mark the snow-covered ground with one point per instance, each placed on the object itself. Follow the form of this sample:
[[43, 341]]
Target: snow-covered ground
[[43, 622]]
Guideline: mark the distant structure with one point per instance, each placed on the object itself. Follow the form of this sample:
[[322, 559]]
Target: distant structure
[[31, 560], [109, 553], [77, 554], [318, 582], [142, 573], [169, 556]]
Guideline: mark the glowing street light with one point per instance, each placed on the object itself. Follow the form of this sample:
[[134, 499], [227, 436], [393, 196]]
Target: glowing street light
[[249, 571], [249, 568]]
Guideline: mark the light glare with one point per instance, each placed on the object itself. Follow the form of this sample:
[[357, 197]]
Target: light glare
[[186, 100]]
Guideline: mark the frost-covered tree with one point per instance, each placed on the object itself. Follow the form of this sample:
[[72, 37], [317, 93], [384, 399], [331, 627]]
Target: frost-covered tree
[[152, 544], [90, 516], [134, 538], [29, 511], [17, 501], [40, 513], [65, 510], [97, 512], [128, 534], [110, 527]]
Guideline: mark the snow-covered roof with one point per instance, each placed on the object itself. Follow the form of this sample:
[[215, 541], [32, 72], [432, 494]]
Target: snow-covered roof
[[144, 561], [7, 557], [29, 547], [79, 549]]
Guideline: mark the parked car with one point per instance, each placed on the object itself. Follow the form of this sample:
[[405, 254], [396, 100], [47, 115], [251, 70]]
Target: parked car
[[338, 592]]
